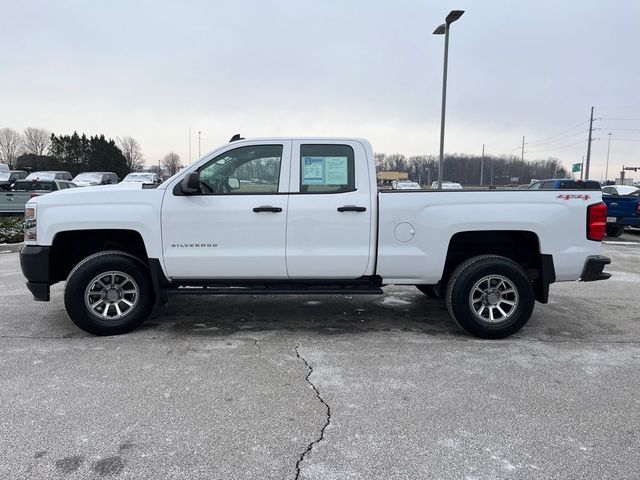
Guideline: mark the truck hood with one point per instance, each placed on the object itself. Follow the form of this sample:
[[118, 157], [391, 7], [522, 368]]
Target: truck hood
[[99, 195]]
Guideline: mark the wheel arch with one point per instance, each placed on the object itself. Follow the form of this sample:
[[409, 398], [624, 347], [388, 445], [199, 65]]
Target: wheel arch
[[521, 246], [68, 248]]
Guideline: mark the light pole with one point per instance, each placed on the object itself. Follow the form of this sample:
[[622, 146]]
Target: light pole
[[199, 151], [444, 30], [482, 167], [606, 172]]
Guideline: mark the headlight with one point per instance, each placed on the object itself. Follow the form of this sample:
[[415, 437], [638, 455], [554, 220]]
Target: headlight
[[30, 224]]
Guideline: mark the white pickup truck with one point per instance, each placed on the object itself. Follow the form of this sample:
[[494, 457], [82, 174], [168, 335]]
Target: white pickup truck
[[303, 215]]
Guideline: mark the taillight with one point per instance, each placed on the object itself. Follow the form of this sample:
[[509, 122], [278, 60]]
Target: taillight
[[596, 221], [34, 195]]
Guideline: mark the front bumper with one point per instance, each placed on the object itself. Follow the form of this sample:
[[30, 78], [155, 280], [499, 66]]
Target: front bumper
[[34, 262], [593, 267]]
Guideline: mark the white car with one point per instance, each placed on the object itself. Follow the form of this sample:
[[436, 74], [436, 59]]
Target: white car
[[50, 175], [143, 177], [313, 223], [447, 186], [620, 190]]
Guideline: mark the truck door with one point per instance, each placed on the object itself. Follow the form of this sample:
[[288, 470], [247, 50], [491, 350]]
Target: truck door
[[329, 231], [235, 226]]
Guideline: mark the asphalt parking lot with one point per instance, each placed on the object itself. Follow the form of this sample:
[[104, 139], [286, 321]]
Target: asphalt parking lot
[[382, 387]]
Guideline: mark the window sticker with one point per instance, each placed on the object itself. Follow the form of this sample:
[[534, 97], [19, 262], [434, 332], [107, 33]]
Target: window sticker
[[325, 171], [336, 171], [313, 171]]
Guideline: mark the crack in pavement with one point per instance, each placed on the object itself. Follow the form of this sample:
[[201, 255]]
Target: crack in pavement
[[328, 414]]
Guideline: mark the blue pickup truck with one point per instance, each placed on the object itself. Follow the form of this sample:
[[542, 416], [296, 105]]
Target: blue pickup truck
[[623, 208]]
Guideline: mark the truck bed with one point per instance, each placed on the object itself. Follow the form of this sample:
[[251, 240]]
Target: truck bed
[[417, 227]]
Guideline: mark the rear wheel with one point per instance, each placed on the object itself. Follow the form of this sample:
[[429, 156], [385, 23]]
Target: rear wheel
[[490, 296], [614, 230], [109, 293]]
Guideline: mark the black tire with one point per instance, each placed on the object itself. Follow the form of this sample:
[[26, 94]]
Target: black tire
[[461, 291], [432, 291], [614, 230], [79, 285]]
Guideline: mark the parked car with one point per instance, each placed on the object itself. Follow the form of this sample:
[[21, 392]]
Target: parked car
[[623, 208], [24, 190], [620, 190], [404, 185], [50, 175], [446, 185], [564, 184], [8, 179], [88, 179], [143, 177], [320, 227]]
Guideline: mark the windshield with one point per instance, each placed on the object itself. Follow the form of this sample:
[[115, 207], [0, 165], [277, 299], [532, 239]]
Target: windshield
[[88, 177], [138, 177]]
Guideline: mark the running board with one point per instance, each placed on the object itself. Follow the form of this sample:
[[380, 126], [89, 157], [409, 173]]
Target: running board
[[277, 290], [274, 291]]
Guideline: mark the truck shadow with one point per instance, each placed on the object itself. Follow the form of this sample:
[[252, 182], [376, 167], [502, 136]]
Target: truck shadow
[[400, 310]]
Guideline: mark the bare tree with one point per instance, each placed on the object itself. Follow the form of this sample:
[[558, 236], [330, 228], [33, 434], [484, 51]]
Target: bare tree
[[171, 163], [36, 140], [132, 152], [11, 145]]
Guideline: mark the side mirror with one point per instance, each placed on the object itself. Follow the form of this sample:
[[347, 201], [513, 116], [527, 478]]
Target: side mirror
[[190, 183], [234, 183]]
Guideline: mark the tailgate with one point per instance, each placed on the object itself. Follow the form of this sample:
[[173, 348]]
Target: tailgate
[[620, 206], [13, 202]]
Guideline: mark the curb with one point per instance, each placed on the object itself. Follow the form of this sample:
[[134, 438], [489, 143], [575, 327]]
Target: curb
[[10, 247]]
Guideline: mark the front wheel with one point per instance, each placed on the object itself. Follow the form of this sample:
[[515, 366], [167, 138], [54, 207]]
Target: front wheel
[[109, 293], [490, 296]]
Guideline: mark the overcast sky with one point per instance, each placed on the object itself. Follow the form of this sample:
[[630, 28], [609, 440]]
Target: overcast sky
[[370, 68]]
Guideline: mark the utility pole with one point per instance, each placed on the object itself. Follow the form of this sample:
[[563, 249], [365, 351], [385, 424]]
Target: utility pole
[[522, 156], [482, 167], [606, 172], [582, 167], [491, 179], [199, 150], [586, 171]]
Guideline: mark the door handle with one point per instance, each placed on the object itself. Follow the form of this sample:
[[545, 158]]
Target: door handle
[[351, 208], [267, 208]]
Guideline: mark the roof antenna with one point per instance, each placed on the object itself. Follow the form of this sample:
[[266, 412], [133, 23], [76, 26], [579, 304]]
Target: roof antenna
[[236, 137]]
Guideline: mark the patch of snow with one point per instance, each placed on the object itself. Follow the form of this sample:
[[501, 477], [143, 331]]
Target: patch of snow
[[391, 300], [624, 276]]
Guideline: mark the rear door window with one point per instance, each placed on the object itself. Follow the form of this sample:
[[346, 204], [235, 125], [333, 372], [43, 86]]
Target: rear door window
[[326, 168]]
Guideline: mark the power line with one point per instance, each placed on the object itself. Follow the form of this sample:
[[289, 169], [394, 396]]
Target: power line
[[558, 148], [559, 139], [622, 119], [544, 139]]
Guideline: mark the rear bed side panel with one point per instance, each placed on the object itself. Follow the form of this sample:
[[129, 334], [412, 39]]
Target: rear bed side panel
[[558, 222]]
